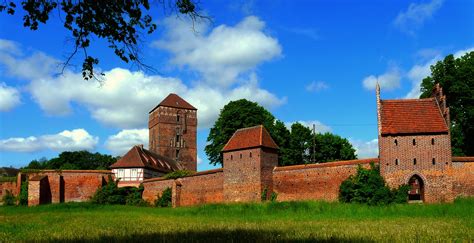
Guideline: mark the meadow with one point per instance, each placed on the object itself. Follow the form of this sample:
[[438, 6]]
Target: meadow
[[282, 221]]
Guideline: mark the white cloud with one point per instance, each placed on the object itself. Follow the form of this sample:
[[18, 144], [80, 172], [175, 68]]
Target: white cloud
[[74, 140], [9, 97], [415, 16], [121, 142], [420, 71], [365, 149], [390, 80], [316, 86], [35, 66], [223, 55], [319, 126]]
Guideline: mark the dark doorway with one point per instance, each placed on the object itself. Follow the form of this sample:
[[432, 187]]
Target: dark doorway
[[61, 189], [416, 193]]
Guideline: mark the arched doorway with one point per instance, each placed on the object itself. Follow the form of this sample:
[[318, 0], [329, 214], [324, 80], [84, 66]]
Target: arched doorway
[[416, 193]]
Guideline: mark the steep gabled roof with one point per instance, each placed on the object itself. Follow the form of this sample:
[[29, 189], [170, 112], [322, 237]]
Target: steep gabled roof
[[173, 100], [250, 137], [138, 157], [411, 116]]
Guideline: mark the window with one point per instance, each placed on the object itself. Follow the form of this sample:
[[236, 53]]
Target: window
[[396, 142], [240, 155], [432, 141], [250, 155], [433, 161], [396, 161], [414, 161], [231, 157], [177, 118], [134, 173], [177, 140], [414, 142], [177, 153], [121, 173]]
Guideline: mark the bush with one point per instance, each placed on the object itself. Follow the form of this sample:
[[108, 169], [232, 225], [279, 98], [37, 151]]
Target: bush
[[23, 195], [7, 178], [9, 199], [178, 174], [165, 199], [264, 194], [368, 186], [273, 197], [112, 194]]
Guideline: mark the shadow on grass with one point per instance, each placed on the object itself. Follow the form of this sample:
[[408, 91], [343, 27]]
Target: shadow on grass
[[238, 235]]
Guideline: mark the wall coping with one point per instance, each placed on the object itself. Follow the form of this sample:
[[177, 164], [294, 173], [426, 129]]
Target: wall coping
[[200, 173], [327, 164], [69, 171], [463, 159]]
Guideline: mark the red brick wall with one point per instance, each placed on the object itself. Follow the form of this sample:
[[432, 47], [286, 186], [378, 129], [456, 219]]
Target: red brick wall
[[153, 187], [314, 181], [69, 185], [463, 179], [8, 186], [163, 126], [437, 183], [207, 187], [247, 172]]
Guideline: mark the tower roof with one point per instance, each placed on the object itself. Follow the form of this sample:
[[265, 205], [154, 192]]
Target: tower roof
[[138, 157], [411, 116], [173, 100], [250, 137]]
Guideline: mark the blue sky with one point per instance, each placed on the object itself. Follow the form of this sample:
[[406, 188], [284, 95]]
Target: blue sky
[[308, 61]]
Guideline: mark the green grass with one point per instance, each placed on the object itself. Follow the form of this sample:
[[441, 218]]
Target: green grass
[[287, 221]]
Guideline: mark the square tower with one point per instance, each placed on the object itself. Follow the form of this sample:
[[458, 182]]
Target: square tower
[[415, 145], [172, 128], [249, 159]]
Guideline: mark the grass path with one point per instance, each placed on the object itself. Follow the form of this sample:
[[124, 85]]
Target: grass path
[[288, 221]]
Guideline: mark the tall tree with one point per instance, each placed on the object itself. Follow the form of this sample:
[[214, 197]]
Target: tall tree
[[456, 77], [331, 147], [118, 22], [236, 114]]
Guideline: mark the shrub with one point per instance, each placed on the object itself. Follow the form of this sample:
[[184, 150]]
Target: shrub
[[368, 186], [112, 194], [264, 194], [9, 199], [178, 174], [23, 195], [273, 197], [7, 178], [165, 199]]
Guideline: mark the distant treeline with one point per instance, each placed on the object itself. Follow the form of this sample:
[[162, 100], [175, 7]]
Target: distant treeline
[[78, 160]]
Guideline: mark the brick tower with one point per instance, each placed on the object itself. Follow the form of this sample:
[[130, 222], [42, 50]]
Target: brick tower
[[415, 145], [172, 131], [250, 156]]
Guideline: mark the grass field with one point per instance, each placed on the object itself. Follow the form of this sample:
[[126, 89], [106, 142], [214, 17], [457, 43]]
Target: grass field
[[288, 221]]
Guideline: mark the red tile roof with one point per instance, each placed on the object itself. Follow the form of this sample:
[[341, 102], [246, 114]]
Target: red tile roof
[[173, 100], [138, 157], [250, 137], [411, 116]]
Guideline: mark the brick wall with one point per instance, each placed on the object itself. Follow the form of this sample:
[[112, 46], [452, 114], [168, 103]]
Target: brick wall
[[314, 181], [154, 187], [397, 165], [8, 186], [163, 126], [463, 177], [65, 186], [204, 187]]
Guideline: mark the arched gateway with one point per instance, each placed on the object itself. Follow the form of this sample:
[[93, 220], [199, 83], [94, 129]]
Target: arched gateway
[[416, 193]]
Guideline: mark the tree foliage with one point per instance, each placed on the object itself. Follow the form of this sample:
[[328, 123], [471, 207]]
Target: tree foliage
[[120, 23], [112, 194], [77, 160], [456, 77], [295, 144], [164, 200], [368, 186], [236, 114]]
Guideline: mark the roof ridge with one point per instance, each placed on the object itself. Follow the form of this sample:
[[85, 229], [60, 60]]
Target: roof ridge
[[408, 100], [247, 128]]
